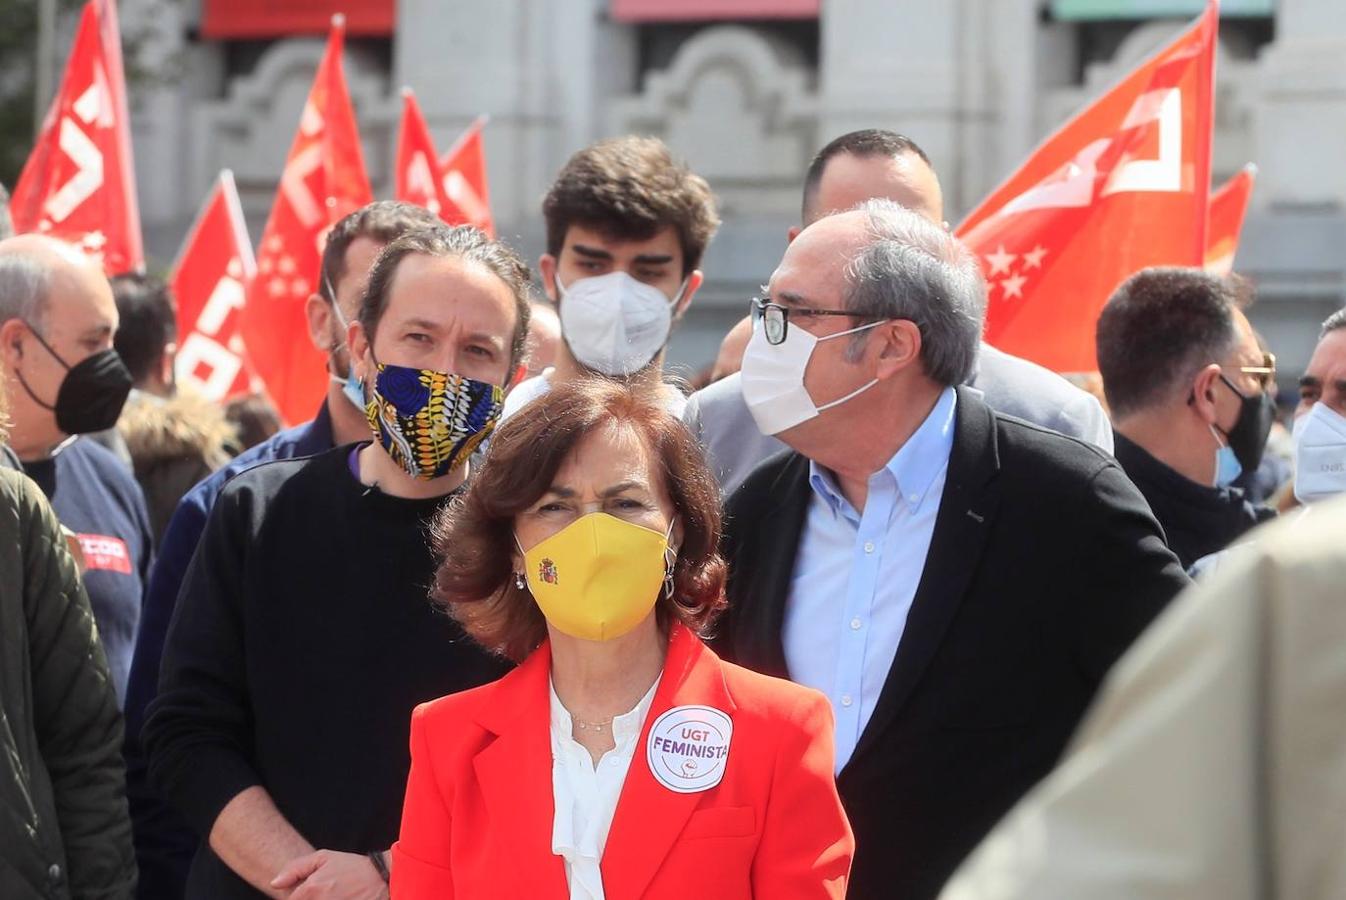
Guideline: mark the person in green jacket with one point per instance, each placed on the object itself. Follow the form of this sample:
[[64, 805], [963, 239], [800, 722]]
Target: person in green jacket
[[65, 833]]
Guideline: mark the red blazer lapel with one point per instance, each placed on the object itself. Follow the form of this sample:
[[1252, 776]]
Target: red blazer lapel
[[515, 774], [650, 816]]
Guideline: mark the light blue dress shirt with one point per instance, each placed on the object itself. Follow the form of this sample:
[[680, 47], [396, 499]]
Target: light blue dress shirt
[[856, 574]]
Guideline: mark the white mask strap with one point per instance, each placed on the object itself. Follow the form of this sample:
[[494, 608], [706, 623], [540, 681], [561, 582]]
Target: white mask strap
[[855, 393], [858, 328]]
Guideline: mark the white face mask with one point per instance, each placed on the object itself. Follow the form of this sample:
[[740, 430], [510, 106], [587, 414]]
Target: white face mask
[[1320, 454], [773, 378], [614, 324]]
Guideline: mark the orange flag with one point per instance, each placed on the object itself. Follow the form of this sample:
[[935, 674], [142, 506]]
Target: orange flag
[[463, 174], [210, 281], [1122, 186], [323, 181], [78, 183], [1227, 208], [417, 178], [453, 188]]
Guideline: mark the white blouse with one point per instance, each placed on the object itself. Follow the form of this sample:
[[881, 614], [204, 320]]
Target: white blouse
[[585, 796]]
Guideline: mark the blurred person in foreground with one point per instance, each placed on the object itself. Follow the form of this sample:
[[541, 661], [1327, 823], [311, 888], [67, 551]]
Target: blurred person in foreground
[[303, 637], [956, 580], [1188, 387], [622, 758], [64, 380], [64, 829], [174, 439], [1213, 764]]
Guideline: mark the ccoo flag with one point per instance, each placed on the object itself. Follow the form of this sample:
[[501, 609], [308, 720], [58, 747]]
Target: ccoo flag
[[78, 183], [210, 281], [324, 180]]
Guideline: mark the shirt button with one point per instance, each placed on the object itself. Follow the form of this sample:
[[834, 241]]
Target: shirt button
[[869, 546], [856, 624], [913, 498], [846, 700], [54, 874]]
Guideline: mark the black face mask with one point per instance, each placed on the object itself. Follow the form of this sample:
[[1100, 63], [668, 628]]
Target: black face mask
[[1248, 437], [92, 393]]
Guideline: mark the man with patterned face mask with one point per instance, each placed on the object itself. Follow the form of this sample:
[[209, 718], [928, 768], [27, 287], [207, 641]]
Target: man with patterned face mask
[[626, 229], [165, 844], [303, 637]]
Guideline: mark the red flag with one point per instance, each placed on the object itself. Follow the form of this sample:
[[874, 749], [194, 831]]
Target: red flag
[[463, 174], [323, 181], [1122, 186], [78, 183], [1227, 208], [210, 281], [418, 178]]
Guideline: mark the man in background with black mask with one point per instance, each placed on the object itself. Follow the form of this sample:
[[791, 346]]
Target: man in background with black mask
[[1187, 386], [626, 228], [57, 321]]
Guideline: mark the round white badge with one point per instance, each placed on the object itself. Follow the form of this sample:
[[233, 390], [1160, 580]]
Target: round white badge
[[689, 748]]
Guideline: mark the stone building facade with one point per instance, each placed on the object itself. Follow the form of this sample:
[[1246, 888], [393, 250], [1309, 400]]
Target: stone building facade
[[748, 99]]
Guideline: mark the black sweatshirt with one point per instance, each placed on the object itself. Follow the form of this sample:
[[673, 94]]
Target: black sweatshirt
[[303, 638]]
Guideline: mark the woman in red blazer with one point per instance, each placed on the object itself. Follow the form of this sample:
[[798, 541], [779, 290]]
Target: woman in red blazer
[[622, 759]]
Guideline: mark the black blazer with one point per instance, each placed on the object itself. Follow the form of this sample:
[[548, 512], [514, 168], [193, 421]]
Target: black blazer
[[1044, 565]]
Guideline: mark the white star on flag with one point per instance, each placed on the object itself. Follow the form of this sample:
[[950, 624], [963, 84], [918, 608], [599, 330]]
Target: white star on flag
[[286, 265], [1001, 261], [276, 287], [1013, 286], [1033, 259]]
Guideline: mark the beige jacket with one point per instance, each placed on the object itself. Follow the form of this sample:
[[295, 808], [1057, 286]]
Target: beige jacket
[[1213, 763]]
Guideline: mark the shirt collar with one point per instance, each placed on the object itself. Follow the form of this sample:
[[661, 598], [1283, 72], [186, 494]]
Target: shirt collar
[[913, 467]]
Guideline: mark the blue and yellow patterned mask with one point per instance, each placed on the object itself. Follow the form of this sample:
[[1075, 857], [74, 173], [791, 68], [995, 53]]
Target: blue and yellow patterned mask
[[430, 422]]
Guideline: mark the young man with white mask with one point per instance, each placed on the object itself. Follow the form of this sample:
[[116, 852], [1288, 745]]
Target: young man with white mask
[[626, 229]]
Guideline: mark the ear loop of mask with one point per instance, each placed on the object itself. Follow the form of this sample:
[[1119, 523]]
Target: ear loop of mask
[[862, 388], [24, 382]]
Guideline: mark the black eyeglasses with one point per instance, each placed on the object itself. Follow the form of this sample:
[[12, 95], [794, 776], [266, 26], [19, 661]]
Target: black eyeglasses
[[775, 319]]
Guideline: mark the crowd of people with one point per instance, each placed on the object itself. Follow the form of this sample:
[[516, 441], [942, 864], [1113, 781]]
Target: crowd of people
[[514, 615]]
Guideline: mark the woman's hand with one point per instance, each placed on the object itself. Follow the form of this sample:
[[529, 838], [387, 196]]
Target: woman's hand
[[330, 875]]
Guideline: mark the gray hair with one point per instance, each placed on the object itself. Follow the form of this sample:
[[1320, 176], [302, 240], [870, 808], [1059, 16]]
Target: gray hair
[[1332, 323], [6, 223], [24, 283], [912, 269]]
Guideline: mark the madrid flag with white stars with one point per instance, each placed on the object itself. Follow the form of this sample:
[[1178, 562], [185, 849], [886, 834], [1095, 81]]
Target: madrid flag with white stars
[[1122, 186], [323, 181], [210, 281], [78, 184]]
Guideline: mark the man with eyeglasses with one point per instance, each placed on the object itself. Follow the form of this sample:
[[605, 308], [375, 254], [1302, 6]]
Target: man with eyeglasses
[[955, 580], [1188, 388], [878, 164]]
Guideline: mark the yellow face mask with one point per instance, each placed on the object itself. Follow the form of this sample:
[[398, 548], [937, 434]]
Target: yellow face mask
[[599, 577]]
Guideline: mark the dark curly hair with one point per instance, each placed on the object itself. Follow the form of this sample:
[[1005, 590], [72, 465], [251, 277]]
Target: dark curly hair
[[631, 188], [474, 534]]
